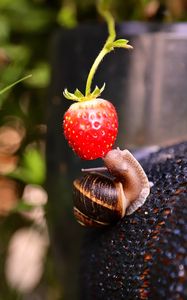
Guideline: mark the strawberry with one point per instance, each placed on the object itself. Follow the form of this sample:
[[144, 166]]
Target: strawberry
[[90, 127], [91, 124]]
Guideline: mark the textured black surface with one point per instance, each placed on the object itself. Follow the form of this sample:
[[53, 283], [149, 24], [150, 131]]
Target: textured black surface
[[144, 256]]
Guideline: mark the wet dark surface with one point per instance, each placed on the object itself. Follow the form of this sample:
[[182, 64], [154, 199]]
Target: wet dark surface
[[144, 256]]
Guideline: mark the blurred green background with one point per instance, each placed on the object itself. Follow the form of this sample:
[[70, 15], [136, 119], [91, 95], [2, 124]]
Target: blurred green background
[[26, 31]]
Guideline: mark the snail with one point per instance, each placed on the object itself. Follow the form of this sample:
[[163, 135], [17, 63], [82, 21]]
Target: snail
[[101, 200]]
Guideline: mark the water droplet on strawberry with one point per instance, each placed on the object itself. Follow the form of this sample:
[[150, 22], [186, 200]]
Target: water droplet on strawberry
[[96, 125]]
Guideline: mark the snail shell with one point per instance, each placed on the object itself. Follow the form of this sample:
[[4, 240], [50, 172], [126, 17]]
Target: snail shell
[[100, 200]]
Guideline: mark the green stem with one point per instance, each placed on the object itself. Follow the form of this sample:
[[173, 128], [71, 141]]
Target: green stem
[[111, 26], [106, 48], [93, 70], [11, 85], [109, 45]]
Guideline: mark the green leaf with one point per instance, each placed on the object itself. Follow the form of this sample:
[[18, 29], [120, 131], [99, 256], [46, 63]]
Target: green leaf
[[13, 84], [5, 28], [121, 43], [97, 91], [67, 16], [23, 207], [78, 96], [32, 169], [41, 76], [78, 93], [15, 69], [102, 88], [31, 19], [70, 96]]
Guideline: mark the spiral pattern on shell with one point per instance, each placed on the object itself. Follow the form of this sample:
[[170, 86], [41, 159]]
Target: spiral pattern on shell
[[97, 200]]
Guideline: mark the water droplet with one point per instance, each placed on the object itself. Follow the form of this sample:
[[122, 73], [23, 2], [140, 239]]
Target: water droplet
[[96, 125]]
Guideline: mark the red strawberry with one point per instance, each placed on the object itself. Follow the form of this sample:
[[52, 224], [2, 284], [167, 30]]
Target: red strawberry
[[91, 127]]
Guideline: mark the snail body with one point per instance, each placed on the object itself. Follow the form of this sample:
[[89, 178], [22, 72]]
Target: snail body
[[101, 200]]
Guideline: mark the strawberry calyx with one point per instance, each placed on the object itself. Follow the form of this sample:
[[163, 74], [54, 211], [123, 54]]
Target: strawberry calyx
[[78, 96]]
